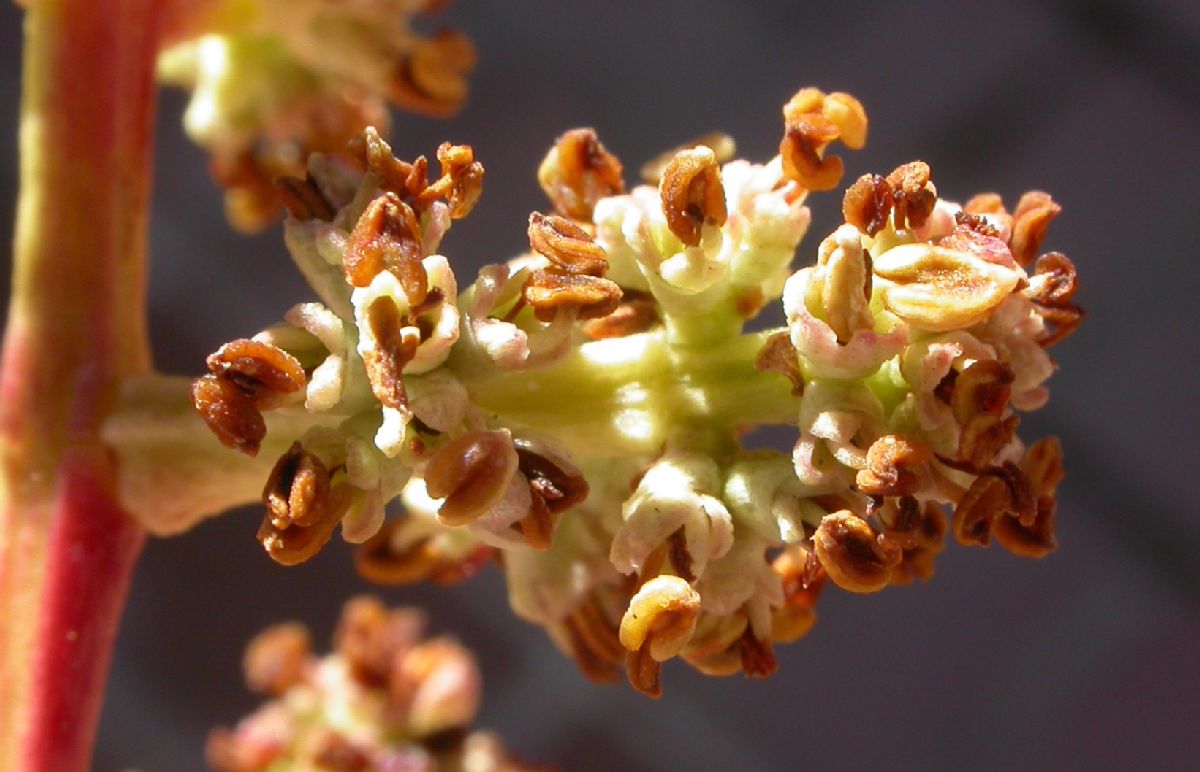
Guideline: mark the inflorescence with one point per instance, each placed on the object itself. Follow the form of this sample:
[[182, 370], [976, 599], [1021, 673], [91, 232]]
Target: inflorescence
[[576, 414]]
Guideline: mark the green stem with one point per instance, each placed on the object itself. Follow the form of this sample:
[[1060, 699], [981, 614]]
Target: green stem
[[76, 328]]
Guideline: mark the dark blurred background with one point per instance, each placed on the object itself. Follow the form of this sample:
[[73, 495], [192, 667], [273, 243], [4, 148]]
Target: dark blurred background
[[1084, 660]]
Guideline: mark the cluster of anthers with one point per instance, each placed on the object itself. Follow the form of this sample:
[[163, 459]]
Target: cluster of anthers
[[387, 698], [576, 413], [274, 81]]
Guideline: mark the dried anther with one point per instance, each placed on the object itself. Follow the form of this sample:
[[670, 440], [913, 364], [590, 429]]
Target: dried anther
[[719, 142], [1033, 216], [895, 467], [813, 120], [431, 79], [245, 375], [1001, 492], [853, 555], [276, 658], [868, 203], [461, 183], [692, 194], [661, 617], [577, 172], [1033, 540], [297, 491], [387, 237], [569, 247], [778, 355], [757, 654], [555, 485], [983, 437], [471, 473], [913, 194], [982, 388], [930, 536], [293, 544], [594, 641], [369, 637], [381, 561], [637, 312], [395, 346], [590, 296]]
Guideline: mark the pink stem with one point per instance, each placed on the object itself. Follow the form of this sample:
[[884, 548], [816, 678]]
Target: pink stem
[[76, 328]]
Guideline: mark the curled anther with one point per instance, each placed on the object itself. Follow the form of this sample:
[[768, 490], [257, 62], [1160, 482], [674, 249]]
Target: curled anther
[[637, 312], [472, 473], [813, 120], [245, 376], [982, 388], [373, 155], [380, 560], [579, 171], [1003, 491], [868, 203], [387, 237], [594, 641], [1033, 540], [555, 485], [929, 536], [303, 199], [854, 556], [1035, 211], [297, 490], [568, 246], [983, 436], [778, 355], [1055, 279], [757, 654], [591, 297], [1042, 464], [431, 79], [896, 466], [461, 181], [913, 194], [294, 543], [793, 620], [693, 196]]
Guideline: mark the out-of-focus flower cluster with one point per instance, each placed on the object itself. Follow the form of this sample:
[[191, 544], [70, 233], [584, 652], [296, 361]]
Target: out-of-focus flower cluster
[[274, 81], [576, 412], [387, 698]]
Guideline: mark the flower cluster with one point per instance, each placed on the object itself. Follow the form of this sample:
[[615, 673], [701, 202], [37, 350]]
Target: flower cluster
[[386, 699], [274, 81], [576, 412]]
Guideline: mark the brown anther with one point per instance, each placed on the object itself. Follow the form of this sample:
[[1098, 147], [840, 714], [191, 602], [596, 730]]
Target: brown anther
[[1042, 464], [758, 656], [568, 246], [461, 182], [792, 621], [914, 196], [982, 388], [395, 346], [295, 544], [778, 355], [375, 156], [1060, 322], [297, 490], [1035, 540], [692, 194], [387, 237], [555, 486], [378, 561], [985, 203], [895, 467], [679, 555], [431, 79], [719, 142], [591, 297], [812, 120], [277, 658], [1058, 279], [645, 672], [229, 413], [471, 472], [661, 617], [853, 555], [594, 641], [579, 171], [258, 369], [918, 560], [804, 139], [1002, 491], [868, 203], [983, 436], [334, 752], [1032, 217], [369, 637], [303, 199], [637, 312]]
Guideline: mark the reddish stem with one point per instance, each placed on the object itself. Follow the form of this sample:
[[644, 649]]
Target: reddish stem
[[75, 330]]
